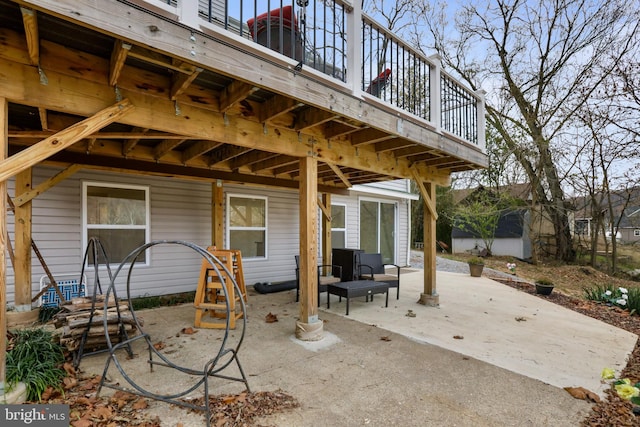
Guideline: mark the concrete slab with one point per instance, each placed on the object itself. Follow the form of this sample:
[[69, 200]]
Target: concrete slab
[[404, 371], [495, 323]]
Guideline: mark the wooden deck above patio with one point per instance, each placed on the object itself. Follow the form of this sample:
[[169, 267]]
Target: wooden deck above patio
[[197, 97]]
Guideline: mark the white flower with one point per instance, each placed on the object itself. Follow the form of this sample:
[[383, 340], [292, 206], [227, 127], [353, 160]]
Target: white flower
[[608, 293], [625, 296], [623, 290], [621, 301]]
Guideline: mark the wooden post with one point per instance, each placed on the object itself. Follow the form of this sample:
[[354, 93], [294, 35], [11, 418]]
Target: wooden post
[[217, 214], [430, 295], [4, 144], [308, 327], [22, 267], [326, 231]]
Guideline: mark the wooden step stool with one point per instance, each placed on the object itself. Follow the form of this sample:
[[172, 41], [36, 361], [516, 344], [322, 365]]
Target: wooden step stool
[[210, 296]]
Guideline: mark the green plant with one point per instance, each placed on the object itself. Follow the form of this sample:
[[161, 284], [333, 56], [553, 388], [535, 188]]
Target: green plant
[[35, 359], [544, 282], [623, 386], [628, 299], [475, 261]]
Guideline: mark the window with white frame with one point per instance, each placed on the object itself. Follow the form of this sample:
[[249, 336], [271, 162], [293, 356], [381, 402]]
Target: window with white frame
[[118, 216], [636, 233], [247, 225], [338, 226]]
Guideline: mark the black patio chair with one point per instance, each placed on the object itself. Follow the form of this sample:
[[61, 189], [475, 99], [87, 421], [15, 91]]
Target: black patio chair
[[372, 267], [323, 281]]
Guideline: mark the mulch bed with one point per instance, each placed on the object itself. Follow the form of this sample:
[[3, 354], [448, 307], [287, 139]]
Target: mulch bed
[[612, 411]]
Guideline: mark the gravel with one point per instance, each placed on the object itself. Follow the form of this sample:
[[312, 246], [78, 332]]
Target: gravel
[[452, 266]]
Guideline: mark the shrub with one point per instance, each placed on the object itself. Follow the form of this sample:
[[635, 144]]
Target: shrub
[[475, 261], [544, 282], [36, 361]]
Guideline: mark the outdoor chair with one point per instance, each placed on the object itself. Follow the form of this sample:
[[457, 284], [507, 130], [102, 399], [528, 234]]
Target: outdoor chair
[[323, 281], [278, 30], [378, 84], [372, 267]]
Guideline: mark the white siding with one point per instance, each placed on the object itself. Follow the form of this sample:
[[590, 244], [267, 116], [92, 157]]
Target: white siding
[[501, 247], [180, 210], [400, 185]]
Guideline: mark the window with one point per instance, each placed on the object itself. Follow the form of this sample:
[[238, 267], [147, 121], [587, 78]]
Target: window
[[118, 216], [338, 226], [582, 227], [636, 233], [247, 225]]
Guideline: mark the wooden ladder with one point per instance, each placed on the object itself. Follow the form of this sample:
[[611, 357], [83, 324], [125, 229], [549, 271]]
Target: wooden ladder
[[210, 296]]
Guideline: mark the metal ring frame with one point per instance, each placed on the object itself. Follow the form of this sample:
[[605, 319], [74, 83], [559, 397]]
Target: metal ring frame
[[211, 369]]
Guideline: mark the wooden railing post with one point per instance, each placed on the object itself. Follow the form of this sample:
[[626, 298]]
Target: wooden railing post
[[435, 95], [188, 12], [354, 48], [480, 122]]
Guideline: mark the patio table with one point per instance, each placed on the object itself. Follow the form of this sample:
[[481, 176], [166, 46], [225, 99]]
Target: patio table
[[357, 288]]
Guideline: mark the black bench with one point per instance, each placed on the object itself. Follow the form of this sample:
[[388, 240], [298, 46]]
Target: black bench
[[357, 288]]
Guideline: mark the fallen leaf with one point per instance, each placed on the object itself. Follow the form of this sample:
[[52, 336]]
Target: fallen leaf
[[69, 369], [583, 394], [458, 337], [271, 318], [82, 423], [188, 331], [140, 404], [159, 345], [521, 319], [385, 338]]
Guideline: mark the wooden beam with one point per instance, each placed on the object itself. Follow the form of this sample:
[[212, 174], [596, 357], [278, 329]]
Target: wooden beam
[[22, 243], [338, 172], [118, 58], [197, 149], [429, 202], [310, 117], [26, 196], [217, 214], [131, 143], [165, 147], [63, 139], [30, 22], [430, 294], [369, 136], [180, 82], [235, 92], [308, 275], [326, 231], [4, 143], [277, 106], [80, 97], [120, 164], [44, 122]]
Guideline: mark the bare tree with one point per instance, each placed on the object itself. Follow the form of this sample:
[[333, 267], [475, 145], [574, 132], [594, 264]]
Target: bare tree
[[541, 62]]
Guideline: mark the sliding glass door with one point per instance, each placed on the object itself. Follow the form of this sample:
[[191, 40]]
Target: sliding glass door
[[378, 228]]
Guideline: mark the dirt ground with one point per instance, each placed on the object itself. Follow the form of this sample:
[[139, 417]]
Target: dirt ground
[[568, 279]]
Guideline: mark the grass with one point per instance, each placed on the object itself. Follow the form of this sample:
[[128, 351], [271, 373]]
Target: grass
[[146, 302], [36, 360]]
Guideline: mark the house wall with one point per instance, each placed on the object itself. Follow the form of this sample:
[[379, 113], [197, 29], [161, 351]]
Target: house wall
[[180, 210], [501, 247]]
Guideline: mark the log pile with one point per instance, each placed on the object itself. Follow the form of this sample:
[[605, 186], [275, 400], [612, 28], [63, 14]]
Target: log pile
[[74, 320]]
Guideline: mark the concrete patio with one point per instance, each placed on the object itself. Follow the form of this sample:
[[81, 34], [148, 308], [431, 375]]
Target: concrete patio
[[488, 356]]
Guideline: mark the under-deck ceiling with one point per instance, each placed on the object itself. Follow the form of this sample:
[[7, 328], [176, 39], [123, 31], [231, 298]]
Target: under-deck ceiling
[[55, 72]]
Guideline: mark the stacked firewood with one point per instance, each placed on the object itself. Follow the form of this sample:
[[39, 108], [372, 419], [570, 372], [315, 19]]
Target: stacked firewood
[[75, 317]]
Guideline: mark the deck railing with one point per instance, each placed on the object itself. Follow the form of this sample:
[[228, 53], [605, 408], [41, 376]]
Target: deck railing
[[335, 38]]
